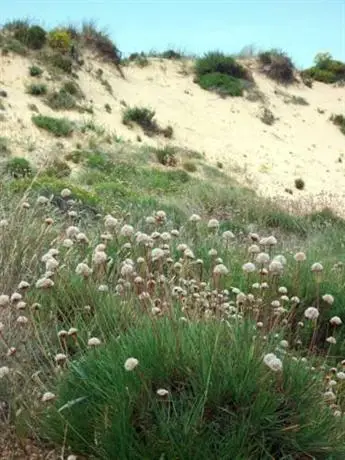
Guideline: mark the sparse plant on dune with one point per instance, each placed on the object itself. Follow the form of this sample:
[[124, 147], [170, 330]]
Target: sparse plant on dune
[[277, 65]]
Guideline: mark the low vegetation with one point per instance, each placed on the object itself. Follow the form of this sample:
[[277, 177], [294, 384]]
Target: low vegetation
[[37, 89], [221, 73], [326, 69], [60, 127], [339, 120], [144, 117], [18, 167], [277, 65], [4, 146], [35, 71]]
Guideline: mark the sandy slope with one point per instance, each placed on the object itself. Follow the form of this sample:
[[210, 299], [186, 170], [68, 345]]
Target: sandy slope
[[301, 143]]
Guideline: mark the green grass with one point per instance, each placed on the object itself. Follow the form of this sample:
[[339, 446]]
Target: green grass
[[206, 413], [18, 167], [60, 127], [37, 89], [4, 146], [142, 116], [339, 120], [222, 84], [277, 65], [61, 100], [35, 71], [218, 72]]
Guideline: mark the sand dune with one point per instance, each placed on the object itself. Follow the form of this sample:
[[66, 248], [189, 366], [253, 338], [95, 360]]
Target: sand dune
[[301, 143]]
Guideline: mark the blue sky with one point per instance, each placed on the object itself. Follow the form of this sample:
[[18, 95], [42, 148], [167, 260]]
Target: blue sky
[[300, 27]]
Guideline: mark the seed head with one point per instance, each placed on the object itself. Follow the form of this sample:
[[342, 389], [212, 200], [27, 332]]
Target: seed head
[[131, 364], [274, 363], [311, 313], [336, 321]]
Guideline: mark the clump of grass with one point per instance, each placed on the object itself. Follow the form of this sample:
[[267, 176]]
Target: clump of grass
[[60, 127], [221, 73], [339, 120], [33, 36], [107, 108], [73, 89], [33, 108], [222, 84], [100, 40], [4, 147], [143, 117], [189, 166], [277, 65], [267, 117], [326, 69], [171, 54], [60, 61], [299, 184], [57, 169], [18, 167], [61, 100], [166, 155], [37, 89], [35, 71], [14, 46]]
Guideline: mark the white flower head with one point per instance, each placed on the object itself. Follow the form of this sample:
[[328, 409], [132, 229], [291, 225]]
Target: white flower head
[[311, 313], [274, 363], [336, 321], [131, 364]]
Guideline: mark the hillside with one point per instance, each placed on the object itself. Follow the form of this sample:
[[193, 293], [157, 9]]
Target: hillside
[[158, 298], [301, 143]]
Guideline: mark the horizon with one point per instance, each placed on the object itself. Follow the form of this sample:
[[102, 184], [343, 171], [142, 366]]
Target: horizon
[[204, 26]]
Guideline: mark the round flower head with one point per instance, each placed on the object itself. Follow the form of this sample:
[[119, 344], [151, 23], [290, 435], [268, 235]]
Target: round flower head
[[157, 254], [103, 288], [131, 364], [48, 396], [42, 200], [127, 231], [282, 290], [300, 257], [4, 300], [44, 283], [274, 363], [162, 392], [66, 192], [328, 298], [150, 220], [311, 313], [253, 249], [60, 358], [99, 257], [331, 340], [276, 267], [83, 270], [220, 269], [262, 258], [16, 297], [93, 342], [22, 320], [23, 285], [110, 222], [4, 370], [341, 375], [26, 205], [280, 258], [317, 267], [249, 267], [212, 252], [284, 344], [271, 241], [213, 224], [161, 216], [51, 264], [194, 218], [336, 321], [228, 235], [175, 233], [67, 243], [329, 396], [72, 231], [188, 254], [82, 238], [165, 236]]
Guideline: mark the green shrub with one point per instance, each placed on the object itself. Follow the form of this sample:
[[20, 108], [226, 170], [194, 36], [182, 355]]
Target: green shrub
[[61, 100], [76, 156], [60, 39], [166, 156], [62, 62], [101, 41], [33, 37], [60, 127], [4, 148], [222, 84], [73, 89], [98, 161], [35, 71], [58, 169], [18, 167], [189, 166], [37, 89], [267, 117], [325, 70], [277, 65], [216, 62], [221, 403], [171, 54], [299, 184], [14, 46], [143, 117], [339, 120]]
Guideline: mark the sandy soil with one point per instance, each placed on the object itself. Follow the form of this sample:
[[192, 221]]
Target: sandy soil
[[302, 142]]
